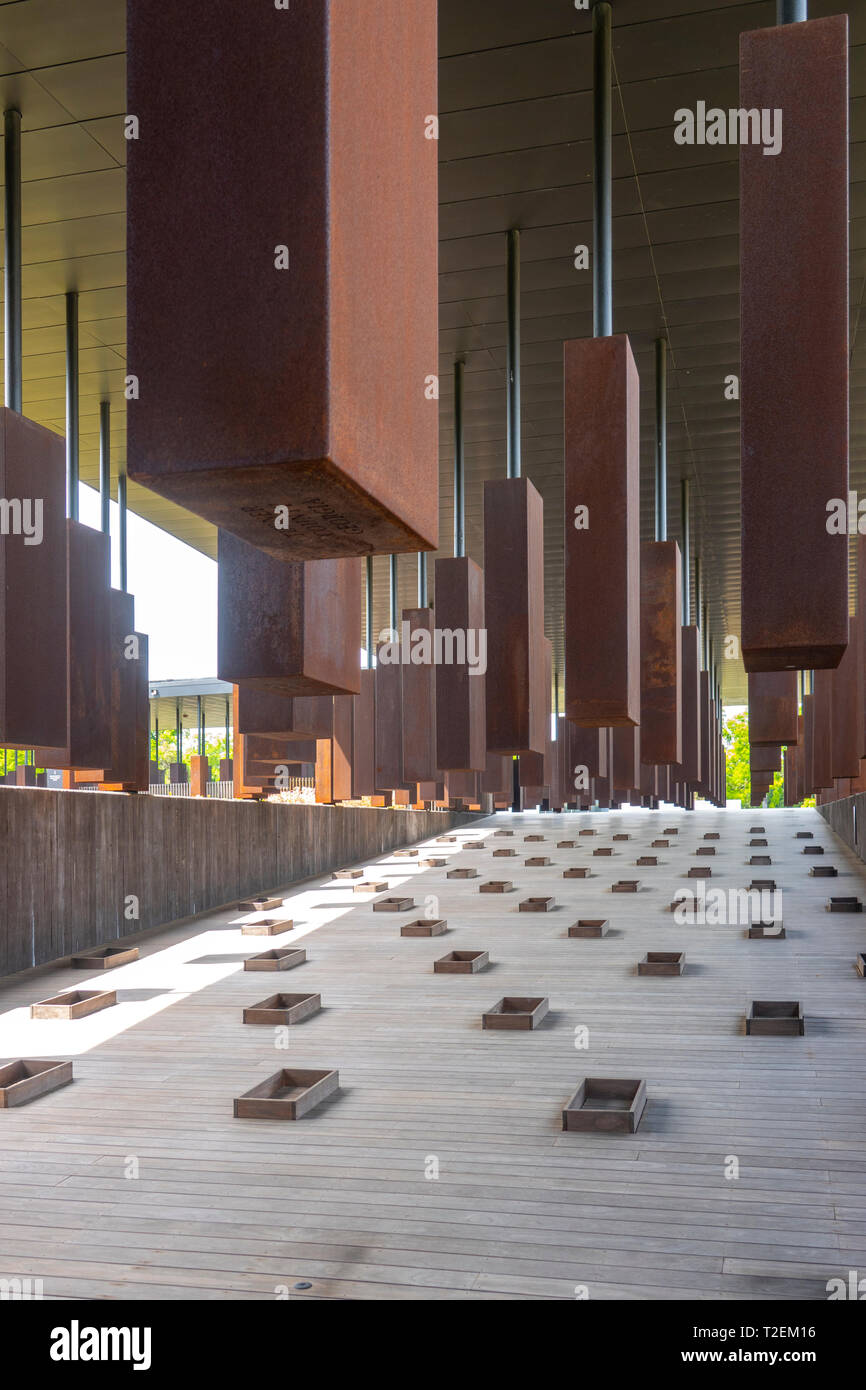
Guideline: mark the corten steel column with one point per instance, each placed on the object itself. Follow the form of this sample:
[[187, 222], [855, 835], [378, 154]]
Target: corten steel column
[[12, 257], [389, 699], [794, 413], [846, 717], [514, 574], [105, 467], [364, 705], [287, 628], [602, 469], [661, 473], [688, 772], [461, 711], [531, 769], [72, 411], [772, 707], [822, 731], [325, 205], [122, 543]]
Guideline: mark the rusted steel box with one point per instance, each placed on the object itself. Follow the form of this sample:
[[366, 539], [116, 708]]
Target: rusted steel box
[[287, 1095], [602, 537], [576, 873], [496, 885], [461, 709], [662, 963], [514, 615], [33, 586], [772, 707], [280, 716], [286, 628], [281, 1009], [776, 1018], [280, 958], [516, 1013], [106, 958], [461, 963], [589, 927], [605, 1105], [425, 926], [73, 1003], [23, 1080], [661, 686], [419, 696], [794, 404], [283, 223]]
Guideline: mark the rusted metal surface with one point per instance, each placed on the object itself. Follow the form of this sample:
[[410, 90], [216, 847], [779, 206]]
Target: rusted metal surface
[[87, 742], [364, 737], [462, 785], [497, 776], [389, 723], [301, 386], [822, 730], [199, 775], [808, 783], [283, 716], [661, 685], [765, 758], [514, 614], [688, 772], [33, 578], [794, 409], [626, 758], [419, 698], [286, 628], [588, 747], [602, 553], [772, 707], [704, 785], [333, 774], [846, 716], [533, 769], [461, 716]]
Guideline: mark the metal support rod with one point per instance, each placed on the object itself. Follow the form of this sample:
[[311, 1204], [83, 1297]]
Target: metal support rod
[[705, 628], [685, 527], [422, 579], [200, 714], [12, 256], [791, 11], [72, 404], [368, 610], [513, 357], [661, 500], [555, 705], [228, 729], [178, 732], [156, 739], [105, 466], [121, 530], [459, 462], [392, 595], [602, 258], [698, 610]]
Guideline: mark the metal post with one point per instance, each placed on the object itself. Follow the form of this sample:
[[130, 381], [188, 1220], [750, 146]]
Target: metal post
[[12, 260], [228, 729], [687, 544], [661, 439], [369, 610], [706, 631], [105, 465], [156, 739], [791, 11], [178, 732], [72, 404], [513, 358], [121, 530], [698, 609], [555, 705], [602, 260], [459, 462], [392, 595], [422, 579], [200, 725]]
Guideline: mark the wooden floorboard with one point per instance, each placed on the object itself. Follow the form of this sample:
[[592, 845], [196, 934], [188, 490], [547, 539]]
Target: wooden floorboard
[[137, 1182]]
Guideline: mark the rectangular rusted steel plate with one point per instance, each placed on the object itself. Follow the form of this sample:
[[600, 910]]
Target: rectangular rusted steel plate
[[772, 707], [602, 539], [334, 755], [282, 235], [661, 687], [420, 674], [822, 731], [514, 614], [765, 757], [33, 579], [461, 715], [364, 737], [284, 716], [846, 715], [534, 768], [626, 758], [794, 407], [287, 628], [389, 721]]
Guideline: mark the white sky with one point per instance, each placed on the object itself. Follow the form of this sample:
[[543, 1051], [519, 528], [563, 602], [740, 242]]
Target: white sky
[[175, 591]]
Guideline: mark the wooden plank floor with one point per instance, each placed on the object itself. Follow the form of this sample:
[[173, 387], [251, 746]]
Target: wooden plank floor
[[137, 1182]]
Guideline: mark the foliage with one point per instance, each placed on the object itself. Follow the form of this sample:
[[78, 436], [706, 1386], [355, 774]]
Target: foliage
[[735, 732]]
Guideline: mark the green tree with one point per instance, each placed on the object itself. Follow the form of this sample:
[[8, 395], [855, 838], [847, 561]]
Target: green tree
[[735, 732]]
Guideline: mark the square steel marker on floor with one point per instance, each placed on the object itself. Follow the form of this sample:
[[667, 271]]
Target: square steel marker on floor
[[461, 963], [281, 958], [496, 885], [626, 885], [462, 873], [272, 926], [776, 1018], [516, 1013], [823, 871], [260, 904], [425, 926], [662, 963], [74, 1003], [107, 958], [766, 931], [844, 905], [605, 1105], [393, 904], [23, 1080], [287, 1095], [282, 1009], [576, 873], [589, 927], [537, 905]]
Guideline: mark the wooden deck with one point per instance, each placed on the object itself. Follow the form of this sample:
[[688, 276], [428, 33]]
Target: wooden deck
[[237, 1209]]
